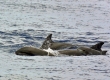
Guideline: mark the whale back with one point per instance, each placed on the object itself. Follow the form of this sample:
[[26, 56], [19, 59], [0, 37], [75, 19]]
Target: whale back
[[73, 52], [58, 46]]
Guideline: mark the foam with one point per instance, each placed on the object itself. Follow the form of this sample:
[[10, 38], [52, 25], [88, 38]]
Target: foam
[[51, 51]]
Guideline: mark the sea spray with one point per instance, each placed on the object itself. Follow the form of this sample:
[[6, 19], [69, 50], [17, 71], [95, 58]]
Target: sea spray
[[50, 51]]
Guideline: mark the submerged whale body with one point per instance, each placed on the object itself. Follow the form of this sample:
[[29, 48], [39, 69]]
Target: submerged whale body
[[54, 45]]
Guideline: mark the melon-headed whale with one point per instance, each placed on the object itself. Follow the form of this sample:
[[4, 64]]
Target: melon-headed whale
[[48, 42], [90, 51], [31, 51], [93, 50]]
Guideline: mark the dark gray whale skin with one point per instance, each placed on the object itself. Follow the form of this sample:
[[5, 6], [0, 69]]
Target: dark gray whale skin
[[93, 50], [82, 51], [90, 51], [97, 46], [31, 51], [74, 52]]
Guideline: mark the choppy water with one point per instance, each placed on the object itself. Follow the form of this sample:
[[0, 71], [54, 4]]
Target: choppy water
[[28, 22]]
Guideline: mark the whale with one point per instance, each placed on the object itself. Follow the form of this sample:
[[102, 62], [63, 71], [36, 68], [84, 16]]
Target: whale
[[31, 51], [90, 51], [82, 51], [93, 50], [48, 42], [73, 52], [48, 45]]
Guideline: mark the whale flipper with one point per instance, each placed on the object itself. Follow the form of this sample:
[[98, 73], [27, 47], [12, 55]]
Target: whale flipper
[[97, 46]]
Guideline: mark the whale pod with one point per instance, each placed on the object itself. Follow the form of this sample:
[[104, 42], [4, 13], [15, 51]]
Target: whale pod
[[50, 45]]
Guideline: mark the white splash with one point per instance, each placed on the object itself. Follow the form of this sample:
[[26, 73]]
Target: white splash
[[50, 51]]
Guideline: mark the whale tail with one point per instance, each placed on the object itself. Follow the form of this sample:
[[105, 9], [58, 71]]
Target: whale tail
[[97, 46], [47, 43]]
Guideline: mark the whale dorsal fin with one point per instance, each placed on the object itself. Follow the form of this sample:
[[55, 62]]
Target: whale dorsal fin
[[49, 37], [47, 42], [97, 46]]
